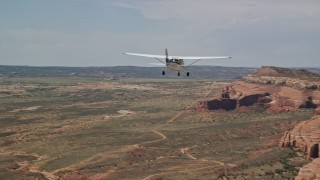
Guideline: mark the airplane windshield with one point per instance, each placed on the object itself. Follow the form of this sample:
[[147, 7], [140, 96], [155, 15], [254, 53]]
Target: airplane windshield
[[178, 61]]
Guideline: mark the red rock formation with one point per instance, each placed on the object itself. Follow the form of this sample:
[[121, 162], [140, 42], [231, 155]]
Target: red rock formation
[[317, 111], [310, 171], [295, 78], [250, 100], [217, 104], [275, 98], [202, 106], [306, 137]]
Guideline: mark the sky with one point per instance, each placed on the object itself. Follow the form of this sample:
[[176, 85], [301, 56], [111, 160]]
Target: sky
[[282, 33]]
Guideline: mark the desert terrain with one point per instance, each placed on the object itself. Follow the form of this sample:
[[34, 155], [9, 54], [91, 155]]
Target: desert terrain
[[76, 127]]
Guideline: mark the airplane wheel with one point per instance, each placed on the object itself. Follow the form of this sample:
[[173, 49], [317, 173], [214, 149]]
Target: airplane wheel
[[188, 73], [178, 73]]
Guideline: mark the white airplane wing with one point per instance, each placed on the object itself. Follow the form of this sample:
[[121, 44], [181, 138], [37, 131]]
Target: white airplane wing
[[199, 57], [196, 58], [146, 55], [178, 57]]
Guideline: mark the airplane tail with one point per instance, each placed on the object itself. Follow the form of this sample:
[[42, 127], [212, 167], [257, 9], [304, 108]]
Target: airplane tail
[[167, 58]]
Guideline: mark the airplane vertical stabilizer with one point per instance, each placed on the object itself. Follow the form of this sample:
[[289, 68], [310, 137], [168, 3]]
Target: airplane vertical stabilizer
[[167, 59]]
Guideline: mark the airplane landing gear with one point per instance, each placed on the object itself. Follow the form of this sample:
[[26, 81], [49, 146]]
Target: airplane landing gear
[[178, 73], [163, 73], [188, 73]]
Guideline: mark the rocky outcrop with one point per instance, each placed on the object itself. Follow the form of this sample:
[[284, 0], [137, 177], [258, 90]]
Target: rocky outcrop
[[306, 137], [310, 171], [243, 95], [272, 71], [284, 81], [216, 104], [250, 100], [295, 78], [278, 89]]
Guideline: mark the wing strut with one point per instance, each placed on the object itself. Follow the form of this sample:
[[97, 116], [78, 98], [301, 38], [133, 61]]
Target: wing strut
[[160, 60], [193, 62]]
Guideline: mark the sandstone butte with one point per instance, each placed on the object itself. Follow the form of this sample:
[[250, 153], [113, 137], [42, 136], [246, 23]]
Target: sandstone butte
[[279, 90]]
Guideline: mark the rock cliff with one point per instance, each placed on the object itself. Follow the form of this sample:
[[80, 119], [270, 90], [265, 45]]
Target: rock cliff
[[306, 137], [243, 95], [310, 171], [282, 90]]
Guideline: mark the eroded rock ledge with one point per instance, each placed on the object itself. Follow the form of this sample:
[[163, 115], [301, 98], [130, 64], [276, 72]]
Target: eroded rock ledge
[[295, 78], [306, 137], [310, 171], [243, 95], [284, 81]]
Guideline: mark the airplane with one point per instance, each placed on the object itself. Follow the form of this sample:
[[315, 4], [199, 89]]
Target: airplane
[[176, 63]]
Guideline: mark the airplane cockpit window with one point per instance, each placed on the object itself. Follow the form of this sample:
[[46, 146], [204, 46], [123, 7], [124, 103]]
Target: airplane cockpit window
[[177, 61]]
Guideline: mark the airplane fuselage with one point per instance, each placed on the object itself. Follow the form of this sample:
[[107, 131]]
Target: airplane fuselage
[[174, 67], [175, 64]]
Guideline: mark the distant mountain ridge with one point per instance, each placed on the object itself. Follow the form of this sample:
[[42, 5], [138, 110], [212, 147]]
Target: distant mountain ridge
[[197, 72]]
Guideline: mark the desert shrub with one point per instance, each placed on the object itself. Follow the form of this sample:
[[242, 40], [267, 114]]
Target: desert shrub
[[279, 171]]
